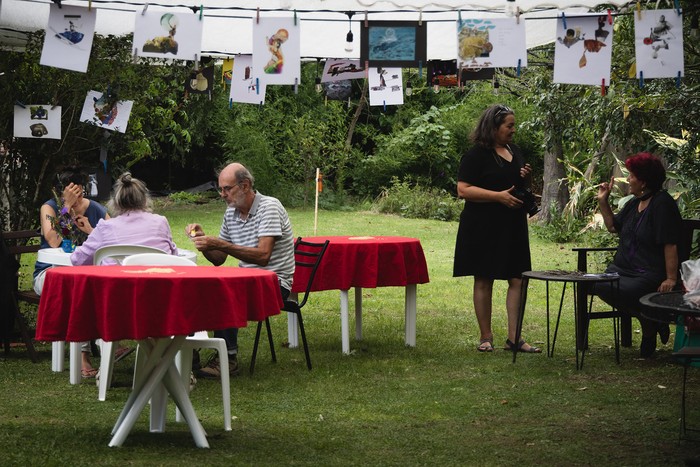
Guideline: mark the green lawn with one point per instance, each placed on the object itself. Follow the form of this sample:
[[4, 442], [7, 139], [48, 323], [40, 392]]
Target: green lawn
[[440, 403]]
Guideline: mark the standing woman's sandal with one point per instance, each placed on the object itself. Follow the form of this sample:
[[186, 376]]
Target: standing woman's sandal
[[485, 345]]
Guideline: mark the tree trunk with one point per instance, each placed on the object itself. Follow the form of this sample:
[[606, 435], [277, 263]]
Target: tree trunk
[[555, 190]]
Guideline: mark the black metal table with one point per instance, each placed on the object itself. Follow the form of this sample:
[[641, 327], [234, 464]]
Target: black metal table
[[666, 307], [581, 317]]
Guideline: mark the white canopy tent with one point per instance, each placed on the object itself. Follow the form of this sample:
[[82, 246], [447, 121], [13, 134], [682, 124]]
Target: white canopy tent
[[324, 23]]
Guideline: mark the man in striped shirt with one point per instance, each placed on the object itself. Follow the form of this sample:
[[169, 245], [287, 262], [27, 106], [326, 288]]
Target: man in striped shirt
[[256, 231]]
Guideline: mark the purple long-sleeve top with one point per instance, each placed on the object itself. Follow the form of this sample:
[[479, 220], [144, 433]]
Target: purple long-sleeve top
[[130, 228]]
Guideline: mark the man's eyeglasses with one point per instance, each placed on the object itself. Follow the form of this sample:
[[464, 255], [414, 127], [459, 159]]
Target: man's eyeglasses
[[227, 189], [503, 109]]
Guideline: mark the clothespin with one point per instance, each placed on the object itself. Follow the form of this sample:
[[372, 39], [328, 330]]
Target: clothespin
[[563, 18], [295, 17], [420, 69], [517, 15], [366, 69], [135, 54], [257, 85], [89, 5], [677, 4], [257, 16], [602, 87], [384, 106], [459, 17], [20, 104], [196, 61], [639, 10], [420, 17], [520, 60], [230, 103], [610, 20], [641, 79], [678, 79], [201, 11], [58, 2], [366, 22], [145, 7], [296, 85]]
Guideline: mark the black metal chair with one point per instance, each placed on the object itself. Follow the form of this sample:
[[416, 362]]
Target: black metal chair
[[685, 245], [687, 355], [307, 255]]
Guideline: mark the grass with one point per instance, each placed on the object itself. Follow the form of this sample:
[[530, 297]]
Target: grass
[[440, 403]]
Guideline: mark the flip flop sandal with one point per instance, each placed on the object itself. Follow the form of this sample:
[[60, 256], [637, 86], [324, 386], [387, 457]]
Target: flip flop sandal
[[485, 345], [91, 373], [531, 349]]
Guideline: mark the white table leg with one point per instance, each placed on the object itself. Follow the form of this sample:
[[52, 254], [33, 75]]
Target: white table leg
[[57, 356], [159, 364], [344, 326], [75, 363], [411, 315], [358, 313], [293, 325]]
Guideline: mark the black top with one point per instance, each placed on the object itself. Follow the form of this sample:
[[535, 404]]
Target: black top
[[492, 240], [644, 234]]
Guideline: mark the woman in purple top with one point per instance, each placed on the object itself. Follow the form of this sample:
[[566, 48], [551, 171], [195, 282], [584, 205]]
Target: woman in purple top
[[133, 223]]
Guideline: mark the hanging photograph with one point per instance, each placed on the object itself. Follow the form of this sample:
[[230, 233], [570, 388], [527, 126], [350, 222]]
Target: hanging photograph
[[68, 39], [340, 69], [276, 45], [246, 86], [658, 44], [385, 86], [37, 121], [103, 112], [491, 43], [393, 43], [583, 50], [201, 80], [227, 71], [164, 34]]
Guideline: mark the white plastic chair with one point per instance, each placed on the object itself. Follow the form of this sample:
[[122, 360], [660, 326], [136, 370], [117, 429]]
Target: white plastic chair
[[183, 359], [57, 348], [155, 259], [107, 350]]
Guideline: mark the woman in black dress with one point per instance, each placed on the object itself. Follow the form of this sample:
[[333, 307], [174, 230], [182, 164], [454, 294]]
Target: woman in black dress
[[649, 227], [492, 240]]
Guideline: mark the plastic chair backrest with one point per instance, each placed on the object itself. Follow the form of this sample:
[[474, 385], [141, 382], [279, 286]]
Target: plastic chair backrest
[[156, 259], [308, 255], [119, 252]]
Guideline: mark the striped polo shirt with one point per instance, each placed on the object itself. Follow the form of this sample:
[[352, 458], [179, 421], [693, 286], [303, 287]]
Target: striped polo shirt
[[267, 218]]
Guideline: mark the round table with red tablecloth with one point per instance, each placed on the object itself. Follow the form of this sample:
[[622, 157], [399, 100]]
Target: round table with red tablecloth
[[158, 306]]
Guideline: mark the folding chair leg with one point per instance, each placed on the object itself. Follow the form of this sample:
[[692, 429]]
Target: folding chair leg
[[303, 341], [255, 347], [269, 338]]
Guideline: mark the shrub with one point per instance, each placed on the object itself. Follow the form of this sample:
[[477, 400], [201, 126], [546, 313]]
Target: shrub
[[182, 197], [417, 202]]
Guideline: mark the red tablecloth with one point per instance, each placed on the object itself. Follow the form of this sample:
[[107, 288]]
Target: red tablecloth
[[134, 302], [367, 262]]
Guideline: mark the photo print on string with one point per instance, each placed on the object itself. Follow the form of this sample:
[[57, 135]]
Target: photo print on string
[[246, 86], [491, 43], [103, 111], [164, 34], [385, 86], [37, 121], [658, 44], [68, 39], [583, 50], [276, 50], [393, 43]]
